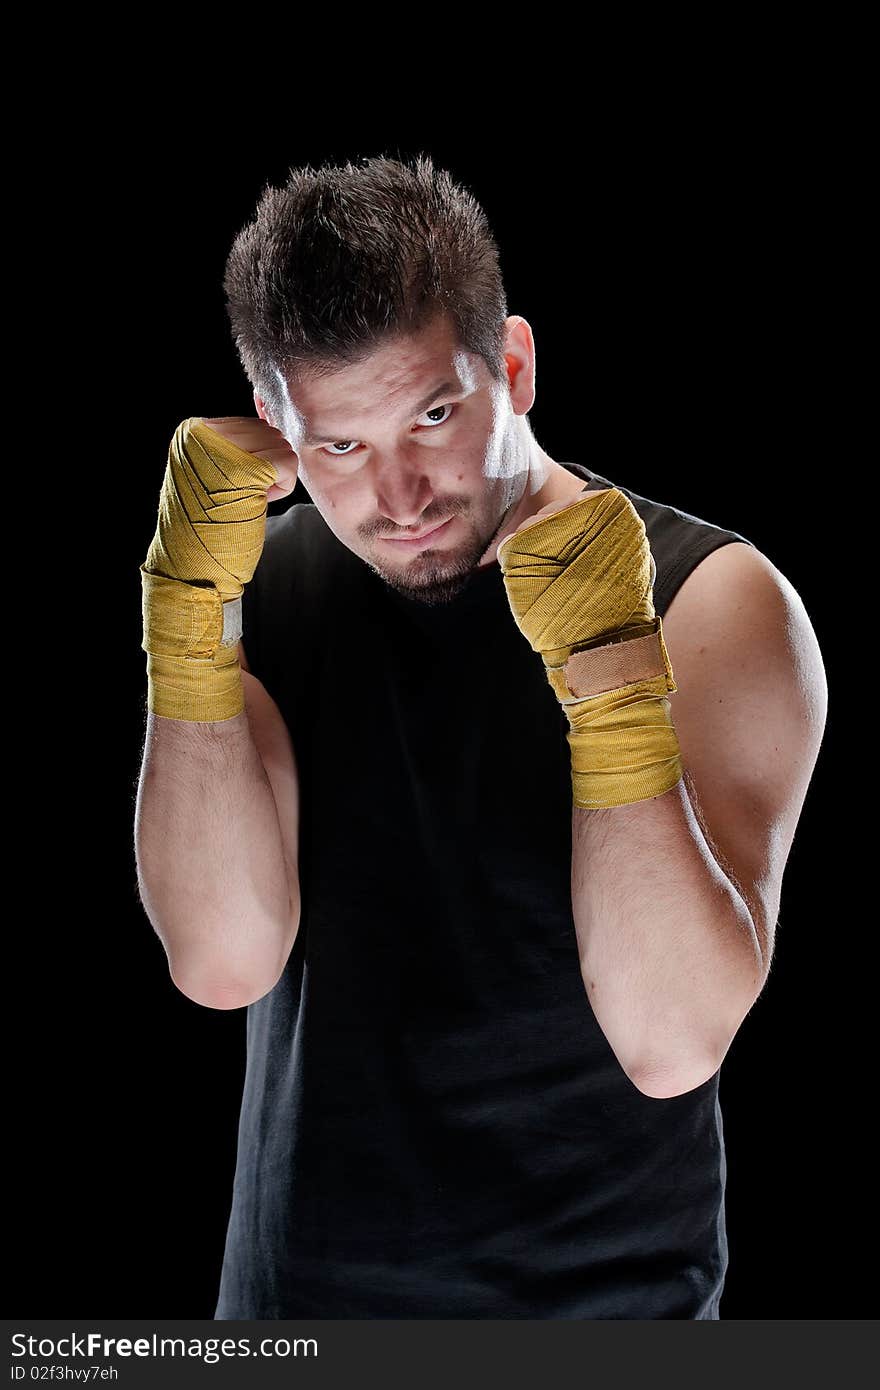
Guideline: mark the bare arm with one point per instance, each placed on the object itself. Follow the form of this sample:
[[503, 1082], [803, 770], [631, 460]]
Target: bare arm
[[676, 898], [216, 829]]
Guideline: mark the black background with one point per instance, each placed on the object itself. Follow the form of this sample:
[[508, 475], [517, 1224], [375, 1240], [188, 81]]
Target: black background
[[672, 263]]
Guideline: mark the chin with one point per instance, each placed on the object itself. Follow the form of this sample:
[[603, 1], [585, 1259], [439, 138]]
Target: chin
[[433, 581], [433, 592]]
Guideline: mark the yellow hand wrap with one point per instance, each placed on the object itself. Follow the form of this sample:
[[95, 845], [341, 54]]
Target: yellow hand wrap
[[581, 581], [212, 523]]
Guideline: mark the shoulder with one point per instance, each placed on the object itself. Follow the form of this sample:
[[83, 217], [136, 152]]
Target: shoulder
[[680, 540], [294, 539], [736, 590], [281, 526], [303, 566], [737, 617]]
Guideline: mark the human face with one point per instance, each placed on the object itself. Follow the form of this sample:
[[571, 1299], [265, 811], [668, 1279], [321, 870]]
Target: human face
[[385, 454]]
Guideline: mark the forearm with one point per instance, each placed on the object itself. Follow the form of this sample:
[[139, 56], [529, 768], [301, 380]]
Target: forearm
[[668, 951], [210, 859]]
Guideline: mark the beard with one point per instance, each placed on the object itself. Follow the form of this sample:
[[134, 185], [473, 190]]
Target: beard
[[432, 591], [438, 578]]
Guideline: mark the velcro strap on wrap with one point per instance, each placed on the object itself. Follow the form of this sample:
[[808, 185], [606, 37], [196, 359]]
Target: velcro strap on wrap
[[613, 663]]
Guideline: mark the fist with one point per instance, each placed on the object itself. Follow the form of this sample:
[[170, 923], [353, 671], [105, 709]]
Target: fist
[[257, 437], [575, 571], [550, 508]]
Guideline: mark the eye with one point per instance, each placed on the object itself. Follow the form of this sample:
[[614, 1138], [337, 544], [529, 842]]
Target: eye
[[328, 447], [347, 445], [436, 408]]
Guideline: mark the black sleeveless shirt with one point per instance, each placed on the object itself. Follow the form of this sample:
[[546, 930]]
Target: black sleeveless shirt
[[433, 1124]]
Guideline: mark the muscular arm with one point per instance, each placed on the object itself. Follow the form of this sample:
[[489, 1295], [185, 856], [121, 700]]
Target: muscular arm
[[676, 898], [215, 845]]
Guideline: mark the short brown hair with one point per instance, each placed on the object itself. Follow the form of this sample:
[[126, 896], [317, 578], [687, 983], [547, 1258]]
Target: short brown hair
[[346, 256]]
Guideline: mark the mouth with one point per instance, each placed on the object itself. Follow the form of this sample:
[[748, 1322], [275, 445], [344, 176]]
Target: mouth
[[434, 534]]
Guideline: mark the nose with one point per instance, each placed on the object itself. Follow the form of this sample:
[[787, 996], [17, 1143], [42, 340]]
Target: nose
[[404, 491]]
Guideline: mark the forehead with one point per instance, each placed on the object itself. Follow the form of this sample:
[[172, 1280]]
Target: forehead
[[404, 375]]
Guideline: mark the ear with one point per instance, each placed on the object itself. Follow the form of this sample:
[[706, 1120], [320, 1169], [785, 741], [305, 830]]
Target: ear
[[260, 406]]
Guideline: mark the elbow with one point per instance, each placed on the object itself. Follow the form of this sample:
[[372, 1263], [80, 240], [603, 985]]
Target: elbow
[[662, 1081], [212, 981], [209, 980], [215, 993]]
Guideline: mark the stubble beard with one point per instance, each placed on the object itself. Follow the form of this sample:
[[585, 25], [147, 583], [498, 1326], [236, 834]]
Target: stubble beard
[[438, 579]]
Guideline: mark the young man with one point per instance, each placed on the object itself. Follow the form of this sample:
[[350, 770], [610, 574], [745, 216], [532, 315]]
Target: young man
[[474, 780]]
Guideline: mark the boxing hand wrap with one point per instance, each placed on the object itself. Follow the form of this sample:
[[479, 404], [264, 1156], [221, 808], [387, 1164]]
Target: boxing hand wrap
[[209, 537], [580, 587]]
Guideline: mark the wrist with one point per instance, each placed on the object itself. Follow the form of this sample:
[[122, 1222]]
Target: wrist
[[198, 689], [624, 747], [191, 639]]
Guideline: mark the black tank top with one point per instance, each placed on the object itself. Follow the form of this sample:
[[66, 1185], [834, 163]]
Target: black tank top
[[433, 1124]]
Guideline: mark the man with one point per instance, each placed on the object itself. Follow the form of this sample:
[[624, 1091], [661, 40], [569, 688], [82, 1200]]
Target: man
[[421, 790]]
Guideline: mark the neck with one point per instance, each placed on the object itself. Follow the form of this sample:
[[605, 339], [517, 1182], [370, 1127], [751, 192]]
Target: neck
[[547, 482]]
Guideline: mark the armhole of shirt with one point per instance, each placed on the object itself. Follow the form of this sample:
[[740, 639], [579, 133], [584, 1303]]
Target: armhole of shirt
[[687, 559], [698, 538]]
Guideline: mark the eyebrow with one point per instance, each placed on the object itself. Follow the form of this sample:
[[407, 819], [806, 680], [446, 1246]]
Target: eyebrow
[[445, 388]]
